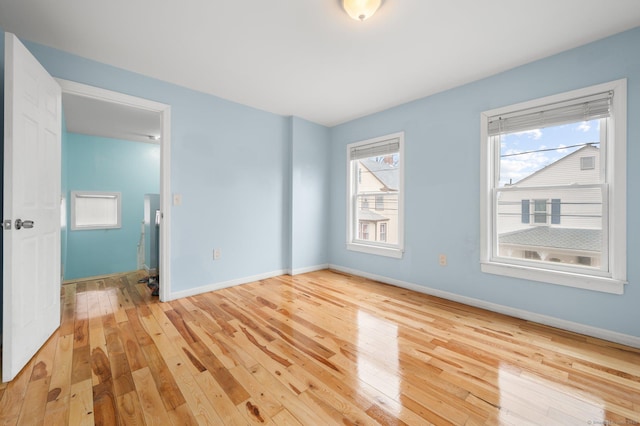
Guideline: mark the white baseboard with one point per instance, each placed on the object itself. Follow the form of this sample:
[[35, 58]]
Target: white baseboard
[[96, 277], [600, 333], [307, 269], [217, 286]]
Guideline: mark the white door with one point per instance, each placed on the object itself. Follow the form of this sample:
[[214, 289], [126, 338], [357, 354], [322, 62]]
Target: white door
[[31, 257]]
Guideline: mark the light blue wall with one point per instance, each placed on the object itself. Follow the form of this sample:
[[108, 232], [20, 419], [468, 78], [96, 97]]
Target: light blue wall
[[112, 165], [442, 152], [310, 194], [229, 162]]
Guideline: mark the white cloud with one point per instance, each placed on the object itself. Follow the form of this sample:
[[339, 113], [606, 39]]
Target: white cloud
[[518, 167], [584, 127], [533, 133]]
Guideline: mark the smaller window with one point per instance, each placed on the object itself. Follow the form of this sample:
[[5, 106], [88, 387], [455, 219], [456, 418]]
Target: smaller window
[[587, 163], [364, 231], [379, 202], [383, 232], [95, 210], [365, 204], [540, 212], [375, 195], [530, 254], [584, 260]]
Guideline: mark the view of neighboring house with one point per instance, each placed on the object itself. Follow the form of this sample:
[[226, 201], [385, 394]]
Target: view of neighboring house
[[555, 214], [378, 183]]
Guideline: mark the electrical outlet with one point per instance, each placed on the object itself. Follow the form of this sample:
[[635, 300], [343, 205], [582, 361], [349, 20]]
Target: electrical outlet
[[216, 254], [442, 260]]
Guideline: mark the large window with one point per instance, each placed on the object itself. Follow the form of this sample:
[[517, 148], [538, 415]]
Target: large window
[[554, 189], [95, 210], [375, 199]]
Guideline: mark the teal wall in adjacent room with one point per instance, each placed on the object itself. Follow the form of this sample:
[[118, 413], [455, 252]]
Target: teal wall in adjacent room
[[111, 165]]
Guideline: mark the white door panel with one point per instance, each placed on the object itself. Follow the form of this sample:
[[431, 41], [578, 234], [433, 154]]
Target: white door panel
[[31, 258]]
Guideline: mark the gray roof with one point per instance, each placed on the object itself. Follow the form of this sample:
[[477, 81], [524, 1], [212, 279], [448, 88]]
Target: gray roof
[[388, 175], [370, 216], [560, 238]]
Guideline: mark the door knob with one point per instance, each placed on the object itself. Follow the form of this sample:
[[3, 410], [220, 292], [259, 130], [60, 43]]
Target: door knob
[[27, 224]]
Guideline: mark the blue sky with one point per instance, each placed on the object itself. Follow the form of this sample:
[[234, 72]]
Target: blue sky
[[517, 167]]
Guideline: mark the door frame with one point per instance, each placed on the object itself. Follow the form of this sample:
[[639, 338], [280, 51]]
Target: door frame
[[164, 110]]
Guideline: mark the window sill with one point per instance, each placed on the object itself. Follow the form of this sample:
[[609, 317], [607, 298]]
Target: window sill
[[380, 251], [586, 282]]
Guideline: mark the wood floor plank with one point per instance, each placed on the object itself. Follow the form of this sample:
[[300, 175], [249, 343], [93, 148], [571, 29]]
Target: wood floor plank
[[104, 404], [129, 409], [182, 416], [285, 418], [165, 382], [317, 348], [60, 385], [200, 402], [259, 393], [81, 403], [36, 394], [68, 306], [152, 407], [131, 346], [219, 399]]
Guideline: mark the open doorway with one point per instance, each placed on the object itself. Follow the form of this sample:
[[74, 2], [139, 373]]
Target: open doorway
[[134, 125]]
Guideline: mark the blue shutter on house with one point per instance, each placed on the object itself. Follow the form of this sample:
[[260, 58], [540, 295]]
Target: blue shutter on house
[[555, 211], [525, 211]]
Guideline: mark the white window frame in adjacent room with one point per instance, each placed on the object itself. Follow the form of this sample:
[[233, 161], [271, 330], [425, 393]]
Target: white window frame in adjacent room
[[613, 278], [374, 247], [96, 195]]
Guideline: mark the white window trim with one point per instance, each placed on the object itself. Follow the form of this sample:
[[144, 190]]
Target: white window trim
[[377, 248], [78, 194], [616, 169]]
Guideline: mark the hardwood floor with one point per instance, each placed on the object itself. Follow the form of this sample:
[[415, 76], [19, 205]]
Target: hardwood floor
[[316, 349]]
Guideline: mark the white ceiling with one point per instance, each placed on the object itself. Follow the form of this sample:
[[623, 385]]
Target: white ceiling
[[307, 57], [100, 118]]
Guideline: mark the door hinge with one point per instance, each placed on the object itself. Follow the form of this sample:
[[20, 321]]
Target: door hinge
[[7, 225]]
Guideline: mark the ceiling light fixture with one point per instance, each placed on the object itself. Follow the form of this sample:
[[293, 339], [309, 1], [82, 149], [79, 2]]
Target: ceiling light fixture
[[361, 9]]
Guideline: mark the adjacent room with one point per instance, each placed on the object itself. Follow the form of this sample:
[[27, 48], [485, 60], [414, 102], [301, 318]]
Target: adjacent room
[[330, 212], [110, 188]]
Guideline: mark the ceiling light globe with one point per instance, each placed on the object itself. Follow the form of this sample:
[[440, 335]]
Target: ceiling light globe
[[361, 9]]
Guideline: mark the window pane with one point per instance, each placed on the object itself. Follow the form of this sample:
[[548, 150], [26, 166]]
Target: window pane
[[524, 154], [541, 173], [376, 198], [95, 210]]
